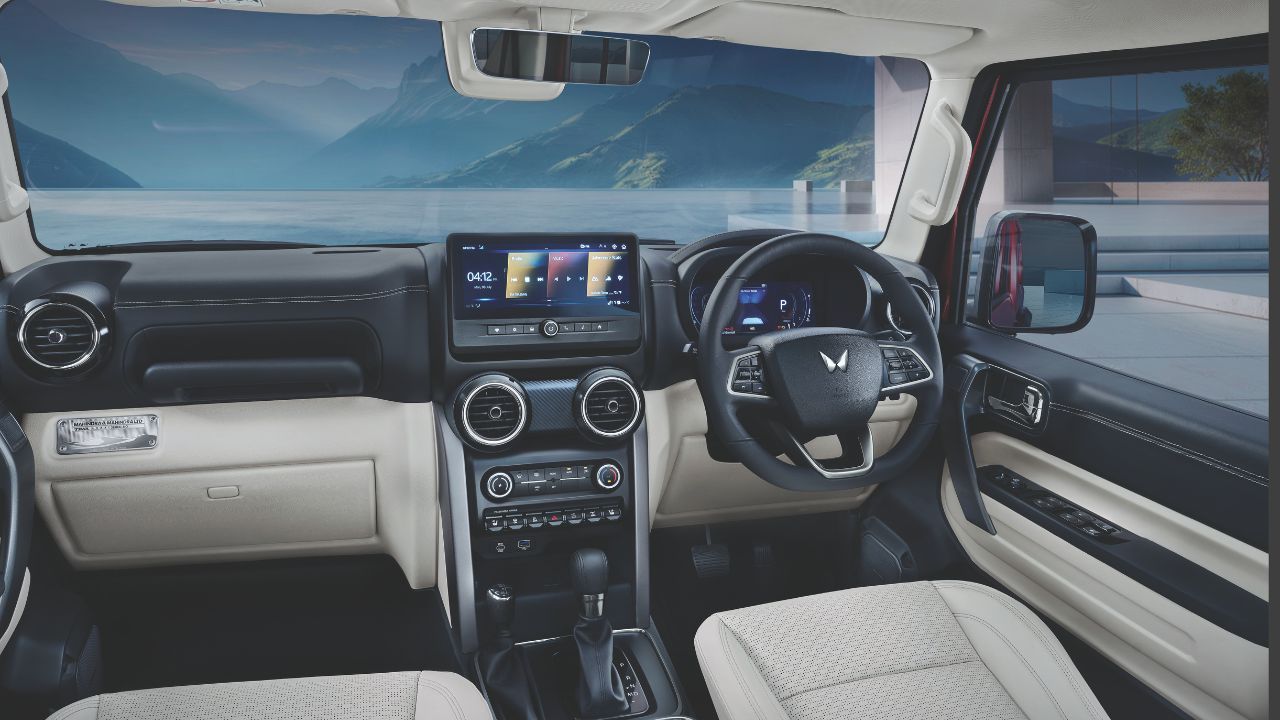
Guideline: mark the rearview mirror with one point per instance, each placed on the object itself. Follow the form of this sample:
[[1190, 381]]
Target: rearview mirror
[[1039, 273], [558, 57]]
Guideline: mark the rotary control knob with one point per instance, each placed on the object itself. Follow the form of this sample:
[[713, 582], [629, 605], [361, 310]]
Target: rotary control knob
[[609, 476], [550, 328], [498, 486]]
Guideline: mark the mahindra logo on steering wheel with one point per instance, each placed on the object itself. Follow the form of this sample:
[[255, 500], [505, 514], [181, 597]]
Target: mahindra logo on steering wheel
[[842, 363]]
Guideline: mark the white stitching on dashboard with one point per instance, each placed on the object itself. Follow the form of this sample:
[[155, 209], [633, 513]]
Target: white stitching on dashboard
[[1170, 445], [214, 302]]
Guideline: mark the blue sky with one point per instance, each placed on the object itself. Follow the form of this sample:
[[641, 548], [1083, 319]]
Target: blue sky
[[234, 49], [238, 48]]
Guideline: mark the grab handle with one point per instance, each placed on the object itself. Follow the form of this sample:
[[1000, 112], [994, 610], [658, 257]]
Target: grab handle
[[937, 212]]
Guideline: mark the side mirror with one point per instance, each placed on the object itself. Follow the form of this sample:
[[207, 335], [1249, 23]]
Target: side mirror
[[558, 57], [1039, 273]]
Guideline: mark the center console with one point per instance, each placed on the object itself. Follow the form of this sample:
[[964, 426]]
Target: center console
[[543, 456]]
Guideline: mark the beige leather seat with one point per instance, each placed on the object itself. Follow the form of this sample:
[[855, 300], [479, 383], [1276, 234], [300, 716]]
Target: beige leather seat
[[916, 650], [387, 696]]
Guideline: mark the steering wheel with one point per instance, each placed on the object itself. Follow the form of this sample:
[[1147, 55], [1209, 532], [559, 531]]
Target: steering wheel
[[819, 381]]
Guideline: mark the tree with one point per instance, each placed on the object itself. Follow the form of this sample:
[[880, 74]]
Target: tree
[[1224, 128]]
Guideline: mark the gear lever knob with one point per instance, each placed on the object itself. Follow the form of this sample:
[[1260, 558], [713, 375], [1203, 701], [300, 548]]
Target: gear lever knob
[[590, 580], [500, 601]]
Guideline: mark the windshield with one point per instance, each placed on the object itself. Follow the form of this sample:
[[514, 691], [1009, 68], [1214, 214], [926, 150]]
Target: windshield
[[194, 124]]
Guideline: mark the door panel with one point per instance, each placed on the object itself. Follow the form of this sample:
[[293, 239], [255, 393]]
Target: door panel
[[1183, 477], [1199, 667], [1204, 460]]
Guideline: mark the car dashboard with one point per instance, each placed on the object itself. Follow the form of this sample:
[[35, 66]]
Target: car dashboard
[[495, 401]]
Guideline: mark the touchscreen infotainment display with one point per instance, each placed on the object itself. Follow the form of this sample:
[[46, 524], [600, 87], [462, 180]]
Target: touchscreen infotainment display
[[528, 276]]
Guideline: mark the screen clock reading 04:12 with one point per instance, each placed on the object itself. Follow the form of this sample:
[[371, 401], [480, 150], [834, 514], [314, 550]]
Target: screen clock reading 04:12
[[537, 276]]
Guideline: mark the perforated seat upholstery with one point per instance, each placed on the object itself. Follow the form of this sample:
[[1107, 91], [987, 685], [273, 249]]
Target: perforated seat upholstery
[[387, 696], [925, 650]]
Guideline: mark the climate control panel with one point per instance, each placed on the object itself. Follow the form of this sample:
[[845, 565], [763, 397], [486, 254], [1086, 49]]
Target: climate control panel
[[508, 483]]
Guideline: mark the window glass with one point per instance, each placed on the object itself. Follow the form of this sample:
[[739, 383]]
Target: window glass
[[1172, 170], [140, 124]]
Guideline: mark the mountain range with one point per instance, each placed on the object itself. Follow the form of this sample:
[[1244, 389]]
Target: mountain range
[[48, 162], [649, 139], [1094, 142], [707, 115], [771, 119]]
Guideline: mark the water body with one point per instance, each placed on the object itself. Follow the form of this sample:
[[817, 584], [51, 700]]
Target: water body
[[77, 218]]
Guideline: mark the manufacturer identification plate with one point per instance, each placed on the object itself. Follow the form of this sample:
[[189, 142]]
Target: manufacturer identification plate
[[78, 436]]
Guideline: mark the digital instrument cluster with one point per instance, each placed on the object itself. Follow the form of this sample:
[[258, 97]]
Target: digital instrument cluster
[[762, 306]]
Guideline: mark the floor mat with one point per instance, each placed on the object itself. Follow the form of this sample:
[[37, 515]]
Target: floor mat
[[810, 554], [265, 620]]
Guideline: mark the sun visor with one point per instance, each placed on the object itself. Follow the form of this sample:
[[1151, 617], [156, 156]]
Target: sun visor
[[467, 78], [793, 26]]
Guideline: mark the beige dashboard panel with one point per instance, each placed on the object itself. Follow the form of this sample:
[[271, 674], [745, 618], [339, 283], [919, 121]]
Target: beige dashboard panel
[[1203, 669], [688, 487], [246, 481]]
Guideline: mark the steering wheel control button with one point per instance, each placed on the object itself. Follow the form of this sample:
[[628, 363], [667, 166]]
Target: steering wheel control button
[[609, 476], [748, 376], [903, 367], [499, 485]]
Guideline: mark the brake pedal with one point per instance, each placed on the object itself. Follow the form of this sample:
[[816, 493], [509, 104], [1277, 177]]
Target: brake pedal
[[711, 561]]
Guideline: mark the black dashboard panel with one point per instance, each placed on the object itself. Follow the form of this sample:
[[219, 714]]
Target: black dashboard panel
[[217, 326], [233, 325]]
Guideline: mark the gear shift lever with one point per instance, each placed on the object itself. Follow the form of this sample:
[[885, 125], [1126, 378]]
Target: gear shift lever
[[590, 580], [500, 602], [600, 693], [500, 666]]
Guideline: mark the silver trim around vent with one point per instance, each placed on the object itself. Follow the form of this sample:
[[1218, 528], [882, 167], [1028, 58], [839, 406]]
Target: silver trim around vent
[[925, 296], [95, 334], [466, 411], [635, 396]]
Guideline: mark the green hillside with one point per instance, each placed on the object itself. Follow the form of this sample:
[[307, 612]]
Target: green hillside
[[762, 138], [849, 160], [1153, 135]]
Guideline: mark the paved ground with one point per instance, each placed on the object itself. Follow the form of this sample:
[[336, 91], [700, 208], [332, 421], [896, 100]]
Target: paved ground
[[1215, 355]]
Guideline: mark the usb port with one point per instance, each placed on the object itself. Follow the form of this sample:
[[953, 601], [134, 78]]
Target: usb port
[[525, 544]]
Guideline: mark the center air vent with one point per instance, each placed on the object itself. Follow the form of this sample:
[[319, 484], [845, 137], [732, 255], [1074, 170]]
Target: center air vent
[[59, 336], [608, 404], [492, 410]]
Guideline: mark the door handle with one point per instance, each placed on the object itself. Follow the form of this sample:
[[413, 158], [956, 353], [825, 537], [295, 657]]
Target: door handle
[[1016, 398], [1029, 411]]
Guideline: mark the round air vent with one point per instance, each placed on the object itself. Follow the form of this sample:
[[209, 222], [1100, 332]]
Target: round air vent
[[895, 320], [59, 336], [607, 404], [492, 410]]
